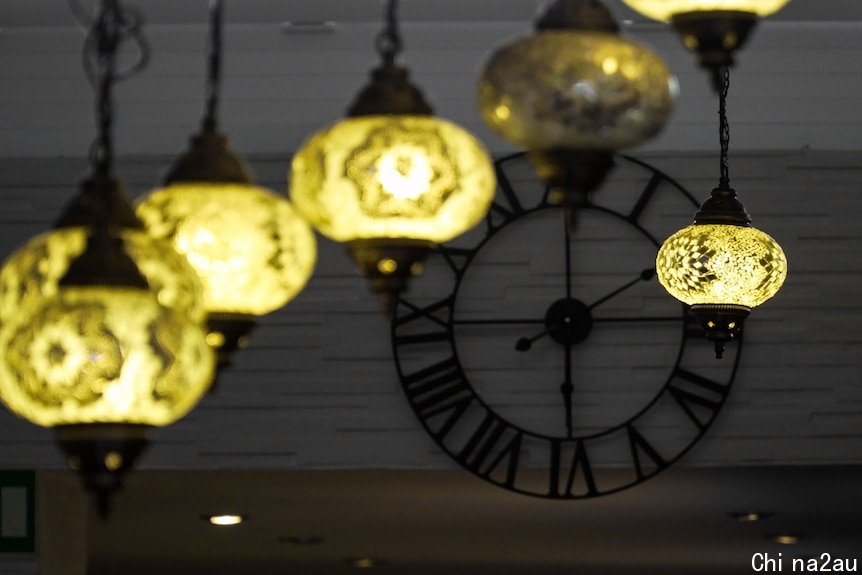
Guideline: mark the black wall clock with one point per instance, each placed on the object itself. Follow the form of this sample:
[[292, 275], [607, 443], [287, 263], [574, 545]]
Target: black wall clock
[[534, 352]]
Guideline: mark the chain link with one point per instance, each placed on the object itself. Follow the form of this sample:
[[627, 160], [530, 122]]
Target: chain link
[[723, 126], [112, 25], [388, 42], [214, 64]]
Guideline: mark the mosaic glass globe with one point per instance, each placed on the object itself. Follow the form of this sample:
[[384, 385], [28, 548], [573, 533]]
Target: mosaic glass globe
[[251, 250], [34, 271], [392, 176], [102, 355], [721, 264], [576, 90]]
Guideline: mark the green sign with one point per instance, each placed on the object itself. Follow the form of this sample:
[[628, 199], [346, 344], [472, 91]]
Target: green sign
[[17, 511]]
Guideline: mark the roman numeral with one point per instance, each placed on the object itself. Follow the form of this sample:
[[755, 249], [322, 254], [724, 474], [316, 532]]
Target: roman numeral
[[580, 462], [509, 208], [644, 199], [428, 337], [512, 201], [428, 327], [439, 389], [700, 392], [639, 445], [457, 258], [491, 435], [425, 313], [545, 195]]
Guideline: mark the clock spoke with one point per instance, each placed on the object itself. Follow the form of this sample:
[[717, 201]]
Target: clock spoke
[[500, 321], [645, 275], [567, 389], [654, 318], [568, 243]]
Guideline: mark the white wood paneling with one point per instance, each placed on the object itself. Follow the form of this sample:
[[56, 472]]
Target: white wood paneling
[[318, 387], [797, 85]]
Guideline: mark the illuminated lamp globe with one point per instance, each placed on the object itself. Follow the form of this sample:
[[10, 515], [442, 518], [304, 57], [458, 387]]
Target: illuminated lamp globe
[[251, 250], [82, 357], [34, 271], [722, 269], [391, 181], [713, 29], [96, 345], [573, 93]]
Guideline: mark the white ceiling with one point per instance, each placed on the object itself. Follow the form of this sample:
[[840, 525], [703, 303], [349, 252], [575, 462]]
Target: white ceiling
[[430, 523], [18, 13]]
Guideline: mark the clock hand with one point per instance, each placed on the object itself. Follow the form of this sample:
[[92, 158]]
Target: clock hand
[[525, 343], [637, 319], [645, 275], [567, 389], [568, 259]]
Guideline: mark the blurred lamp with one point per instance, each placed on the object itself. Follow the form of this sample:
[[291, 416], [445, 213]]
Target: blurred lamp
[[573, 93], [101, 336], [391, 180], [251, 250]]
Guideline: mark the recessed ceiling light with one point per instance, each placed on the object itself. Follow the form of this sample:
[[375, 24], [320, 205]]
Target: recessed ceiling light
[[225, 520], [363, 562], [749, 516], [787, 539]]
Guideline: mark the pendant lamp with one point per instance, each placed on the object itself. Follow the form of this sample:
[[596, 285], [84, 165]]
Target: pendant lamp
[[720, 265], [713, 29], [573, 93], [391, 180], [101, 335], [251, 250]]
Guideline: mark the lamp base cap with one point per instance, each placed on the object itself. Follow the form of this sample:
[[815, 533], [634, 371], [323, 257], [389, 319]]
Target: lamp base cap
[[102, 453], [388, 264], [230, 332], [714, 36], [209, 160], [721, 322], [572, 175]]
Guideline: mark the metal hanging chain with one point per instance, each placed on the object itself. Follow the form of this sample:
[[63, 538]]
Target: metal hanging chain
[[723, 126], [112, 26], [214, 65], [105, 37], [388, 41]]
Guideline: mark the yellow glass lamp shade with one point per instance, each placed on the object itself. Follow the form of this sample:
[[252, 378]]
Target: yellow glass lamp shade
[[395, 176], [712, 29], [103, 356], [576, 90], [33, 272], [573, 93], [715, 264], [664, 10], [252, 252]]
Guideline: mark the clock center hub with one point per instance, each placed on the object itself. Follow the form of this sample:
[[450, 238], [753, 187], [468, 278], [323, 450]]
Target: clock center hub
[[568, 321]]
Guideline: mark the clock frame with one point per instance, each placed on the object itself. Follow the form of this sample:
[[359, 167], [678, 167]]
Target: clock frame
[[484, 438]]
